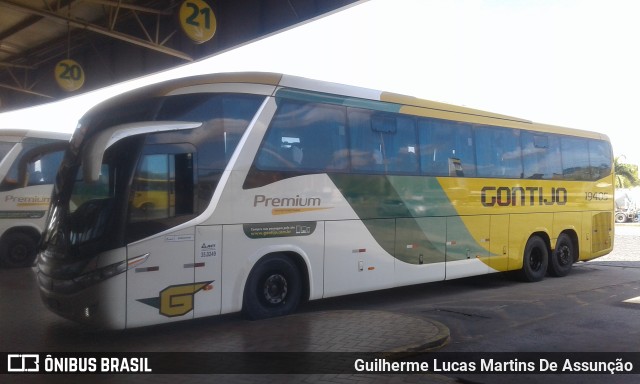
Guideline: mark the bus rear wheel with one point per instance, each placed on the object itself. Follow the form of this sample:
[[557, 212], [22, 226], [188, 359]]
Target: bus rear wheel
[[535, 260], [562, 257], [274, 288]]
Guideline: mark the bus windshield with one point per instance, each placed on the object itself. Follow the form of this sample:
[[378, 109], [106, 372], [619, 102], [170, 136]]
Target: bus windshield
[[147, 182]]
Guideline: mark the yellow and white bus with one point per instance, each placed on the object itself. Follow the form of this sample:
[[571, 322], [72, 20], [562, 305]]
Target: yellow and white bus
[[29, 161], [281, 189]]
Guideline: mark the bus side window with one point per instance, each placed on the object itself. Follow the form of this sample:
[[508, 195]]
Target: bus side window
[[382, 142], [498, 152], [43, 170], [402, 147], [36, 164], [366, 146], [273, 153], [316, 152], [323, 140], [575, 158], [446, 148], [541, 156], [599, 159], [304, 137], [163, 191]]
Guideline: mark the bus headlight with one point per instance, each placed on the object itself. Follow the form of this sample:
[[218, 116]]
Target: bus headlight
[[101, 274]]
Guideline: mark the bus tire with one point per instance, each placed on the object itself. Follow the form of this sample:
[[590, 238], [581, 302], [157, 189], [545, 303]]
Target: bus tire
[[562, 257], [535, 260], [17, 250], [274, 288]]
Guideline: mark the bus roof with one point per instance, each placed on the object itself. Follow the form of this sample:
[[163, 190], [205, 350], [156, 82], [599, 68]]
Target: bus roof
[[406, 104], [18, 134]]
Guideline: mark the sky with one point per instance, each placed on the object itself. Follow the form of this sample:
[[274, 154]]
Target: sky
[[573, 63]]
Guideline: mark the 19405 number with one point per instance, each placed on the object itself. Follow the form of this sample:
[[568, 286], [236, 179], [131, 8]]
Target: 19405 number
[[597, 196]]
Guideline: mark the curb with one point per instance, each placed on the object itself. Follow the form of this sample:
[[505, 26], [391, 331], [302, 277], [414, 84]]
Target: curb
[[441, 338]]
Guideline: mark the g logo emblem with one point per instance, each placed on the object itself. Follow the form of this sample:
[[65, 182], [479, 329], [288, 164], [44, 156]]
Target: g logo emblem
[[177, 300]]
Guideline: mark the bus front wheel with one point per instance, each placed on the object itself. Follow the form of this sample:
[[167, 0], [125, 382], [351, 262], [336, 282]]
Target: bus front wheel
[[274, 288], [562, 257], [535, 261], [17, 249]]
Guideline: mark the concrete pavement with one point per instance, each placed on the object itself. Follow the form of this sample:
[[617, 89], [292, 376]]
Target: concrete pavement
[[27, 327]]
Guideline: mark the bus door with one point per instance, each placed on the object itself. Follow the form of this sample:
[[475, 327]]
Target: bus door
[[207, 267], [162, 288]]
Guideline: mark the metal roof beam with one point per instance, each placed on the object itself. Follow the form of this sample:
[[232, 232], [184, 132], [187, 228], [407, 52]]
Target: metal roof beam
[[11, 65], [23, 90], [30, 21], [97, 29], [133, 7]]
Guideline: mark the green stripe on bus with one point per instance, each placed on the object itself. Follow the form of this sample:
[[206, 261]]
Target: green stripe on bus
[[22, 214], [317, 97], [408, 216]]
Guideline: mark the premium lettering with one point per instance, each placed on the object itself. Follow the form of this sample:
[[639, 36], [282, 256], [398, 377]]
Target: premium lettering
[[521, 196], [297, 201], [28, 199]]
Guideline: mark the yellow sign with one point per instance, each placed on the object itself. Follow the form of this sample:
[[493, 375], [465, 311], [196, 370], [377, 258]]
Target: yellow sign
[[69, 75], [197, 20]]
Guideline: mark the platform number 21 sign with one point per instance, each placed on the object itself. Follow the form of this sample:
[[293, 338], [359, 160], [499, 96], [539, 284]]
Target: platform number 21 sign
[[197, 20]]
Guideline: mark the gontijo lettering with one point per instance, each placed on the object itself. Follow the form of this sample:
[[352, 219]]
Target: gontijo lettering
[[505, 196]]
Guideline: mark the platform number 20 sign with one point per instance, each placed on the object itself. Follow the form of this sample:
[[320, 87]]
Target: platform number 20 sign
[[197, 20], [69, 75]]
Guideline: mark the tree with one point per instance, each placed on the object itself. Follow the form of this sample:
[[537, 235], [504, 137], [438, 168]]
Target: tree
[[626, 174]]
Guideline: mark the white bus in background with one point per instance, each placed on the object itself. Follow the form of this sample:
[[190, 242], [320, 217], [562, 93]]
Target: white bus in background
[[29, 161]]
